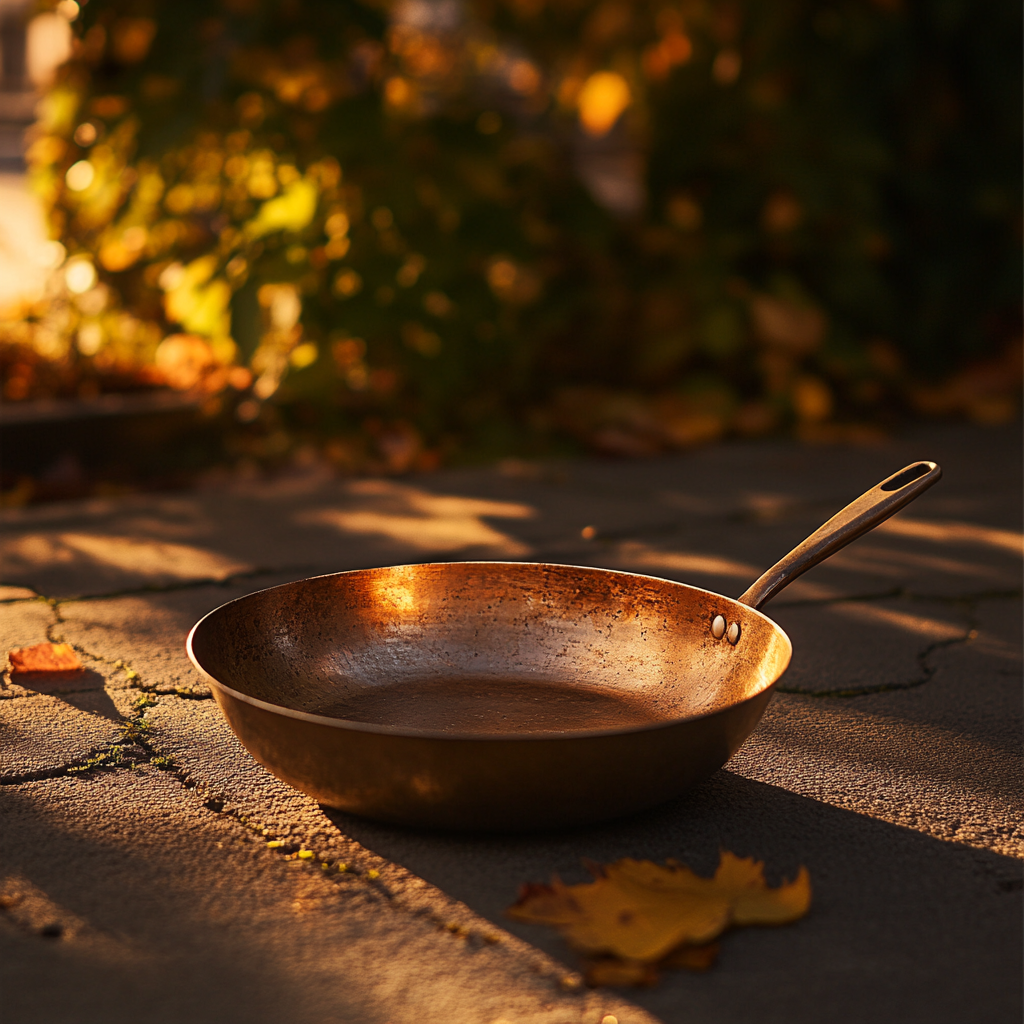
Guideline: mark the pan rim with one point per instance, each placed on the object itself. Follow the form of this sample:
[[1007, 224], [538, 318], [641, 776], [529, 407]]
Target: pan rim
[[433, 734]]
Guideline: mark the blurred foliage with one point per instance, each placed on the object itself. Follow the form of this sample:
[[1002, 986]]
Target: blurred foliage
[[425, 227]]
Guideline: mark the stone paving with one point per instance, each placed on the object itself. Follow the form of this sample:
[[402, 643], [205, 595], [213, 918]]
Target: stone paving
[[136, 883]]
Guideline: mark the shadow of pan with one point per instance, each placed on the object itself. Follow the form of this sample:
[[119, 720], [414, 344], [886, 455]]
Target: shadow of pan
[[903, 927]]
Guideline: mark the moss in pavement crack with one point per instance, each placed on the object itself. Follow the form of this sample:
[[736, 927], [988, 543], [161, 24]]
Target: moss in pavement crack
[[332, 869], [134, 749], [128, 751], [131, 749], [133, 677], [136, 681]]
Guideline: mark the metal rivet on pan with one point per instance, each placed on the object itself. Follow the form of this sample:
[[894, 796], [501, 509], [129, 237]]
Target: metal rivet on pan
[[718, 627], [734, 632]]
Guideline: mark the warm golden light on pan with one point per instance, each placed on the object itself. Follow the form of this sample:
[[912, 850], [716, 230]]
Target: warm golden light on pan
[[507, 695]]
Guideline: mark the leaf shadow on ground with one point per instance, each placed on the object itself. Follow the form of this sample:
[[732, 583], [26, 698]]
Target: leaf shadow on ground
[[875, 946], [82, 690]]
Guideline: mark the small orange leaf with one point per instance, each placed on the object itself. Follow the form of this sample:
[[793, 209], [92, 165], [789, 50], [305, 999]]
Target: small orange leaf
[[638, 912], [44, 658]]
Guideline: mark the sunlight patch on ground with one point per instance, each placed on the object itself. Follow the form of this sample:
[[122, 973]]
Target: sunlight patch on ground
[[905, 774], [934, 629], [642, 556], [427, 522], [141, 557], [888, 562], [949, 531]]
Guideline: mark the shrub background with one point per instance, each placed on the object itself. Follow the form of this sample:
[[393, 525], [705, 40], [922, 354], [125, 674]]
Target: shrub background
[[410, 230]]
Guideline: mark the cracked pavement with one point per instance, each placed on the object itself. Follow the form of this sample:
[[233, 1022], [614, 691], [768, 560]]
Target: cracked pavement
[[151, 870]]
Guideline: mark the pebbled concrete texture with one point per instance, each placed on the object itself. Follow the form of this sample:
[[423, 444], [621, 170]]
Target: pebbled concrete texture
[[135, 877], [171, 913], [72, 734]]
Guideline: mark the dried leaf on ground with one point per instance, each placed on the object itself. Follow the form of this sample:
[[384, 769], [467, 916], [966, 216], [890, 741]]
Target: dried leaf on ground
[[637, 914], [44, 658]]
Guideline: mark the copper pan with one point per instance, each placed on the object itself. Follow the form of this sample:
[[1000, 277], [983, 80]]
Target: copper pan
[[507, 696]]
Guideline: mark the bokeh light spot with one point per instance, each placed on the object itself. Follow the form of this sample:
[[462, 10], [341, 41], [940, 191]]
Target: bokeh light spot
[[602, 100], [80, 276], [80, 176]]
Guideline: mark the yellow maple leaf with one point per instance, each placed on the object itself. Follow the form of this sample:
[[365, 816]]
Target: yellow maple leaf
[[640, 911]]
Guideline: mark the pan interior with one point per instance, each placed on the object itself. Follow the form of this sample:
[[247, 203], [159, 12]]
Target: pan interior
[[498, 649], [467, 705]]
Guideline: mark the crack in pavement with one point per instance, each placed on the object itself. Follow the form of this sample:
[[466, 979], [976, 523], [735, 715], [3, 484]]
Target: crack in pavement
[[134, 679], [134, 750], [129, 750], [927, 671], [969, 602]]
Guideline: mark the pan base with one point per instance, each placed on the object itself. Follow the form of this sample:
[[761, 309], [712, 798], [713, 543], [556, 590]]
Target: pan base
[[489, 707]]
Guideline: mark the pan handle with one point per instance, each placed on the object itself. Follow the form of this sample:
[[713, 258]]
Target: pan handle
[[860, 516]]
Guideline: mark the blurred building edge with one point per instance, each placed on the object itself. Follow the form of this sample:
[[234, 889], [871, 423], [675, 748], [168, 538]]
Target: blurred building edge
[[17, 97], [31, 49]]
